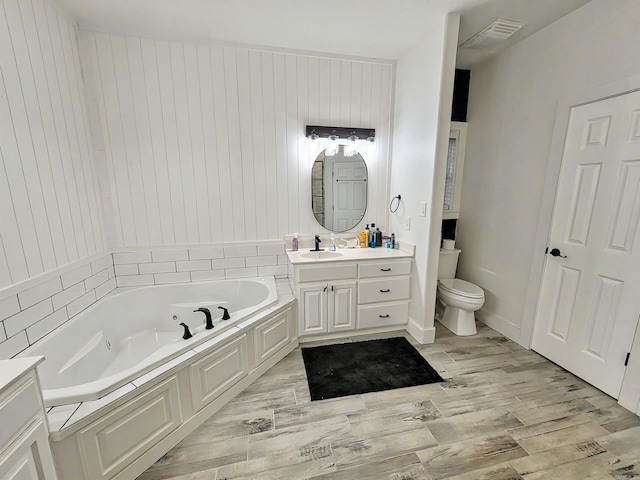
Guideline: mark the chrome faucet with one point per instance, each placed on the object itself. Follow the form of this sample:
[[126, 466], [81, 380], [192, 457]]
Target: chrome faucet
[[207, 315], [318, 241]]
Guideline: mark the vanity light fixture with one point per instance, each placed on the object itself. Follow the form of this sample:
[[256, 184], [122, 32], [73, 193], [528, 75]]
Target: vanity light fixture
[[333, 147], [313, 132], [351, 149]]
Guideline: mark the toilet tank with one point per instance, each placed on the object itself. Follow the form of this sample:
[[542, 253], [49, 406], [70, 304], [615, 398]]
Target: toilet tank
[[448, 263]]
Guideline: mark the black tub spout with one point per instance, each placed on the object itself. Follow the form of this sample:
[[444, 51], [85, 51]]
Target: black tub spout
[[187, 333], [207, 315], [225, 315]]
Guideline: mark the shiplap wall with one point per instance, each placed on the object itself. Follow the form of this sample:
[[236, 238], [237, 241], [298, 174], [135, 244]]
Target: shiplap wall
[[50, 212], [205, 144]]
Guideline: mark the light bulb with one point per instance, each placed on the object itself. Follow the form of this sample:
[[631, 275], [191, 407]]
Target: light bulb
[[333, 147]]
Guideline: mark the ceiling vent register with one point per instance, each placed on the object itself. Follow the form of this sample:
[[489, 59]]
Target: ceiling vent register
[[493, 35]]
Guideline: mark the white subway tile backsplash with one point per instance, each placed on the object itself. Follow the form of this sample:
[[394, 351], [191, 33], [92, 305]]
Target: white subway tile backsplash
[[275, 270], [14, 345], [38, 293], [205, 253], [128, 269], [158, 267], [9, 306], [3, 335], [228, 263], [241, 251], [96, 280], [241, 272], [28, 317], [67, 296], [261, 261], [178, 277], [205, 275], [76, 275], [105, 288], [172, 255], [102, 263], [111, 271], [134, 280], [39, 329], [193, 265], [131, 257], [271, 249], [283, 260], [80, 304]]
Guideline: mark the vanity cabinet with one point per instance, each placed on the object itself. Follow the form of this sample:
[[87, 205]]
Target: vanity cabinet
[[336, 297], [327, 307], [24, 437]]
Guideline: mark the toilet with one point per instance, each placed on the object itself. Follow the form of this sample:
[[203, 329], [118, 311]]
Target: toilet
[[456, 300]]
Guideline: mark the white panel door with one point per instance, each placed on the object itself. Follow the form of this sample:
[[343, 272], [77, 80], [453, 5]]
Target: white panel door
[[349, 194], [588, 308]]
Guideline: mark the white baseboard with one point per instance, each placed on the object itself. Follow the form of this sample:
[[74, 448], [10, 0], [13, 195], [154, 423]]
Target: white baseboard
[[420, 334], [501, 325]]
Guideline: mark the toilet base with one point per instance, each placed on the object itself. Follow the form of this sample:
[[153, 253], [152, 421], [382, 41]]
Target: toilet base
[[460, 322]]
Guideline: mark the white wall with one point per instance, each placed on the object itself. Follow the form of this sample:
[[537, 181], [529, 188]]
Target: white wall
[[205, 143], [49, 194], [512, 109], [424, 87]]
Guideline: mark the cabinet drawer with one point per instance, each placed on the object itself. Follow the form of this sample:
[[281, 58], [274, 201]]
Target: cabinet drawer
[[384, 269], [383, 314], [111, 443], [214, 374], [319, 273], [383, 290]]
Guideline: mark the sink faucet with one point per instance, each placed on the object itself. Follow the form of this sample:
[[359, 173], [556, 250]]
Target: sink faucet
[[317, 248], [207, 315]]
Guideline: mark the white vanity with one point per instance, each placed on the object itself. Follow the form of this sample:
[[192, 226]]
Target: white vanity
[[351, 291], [24, 435]]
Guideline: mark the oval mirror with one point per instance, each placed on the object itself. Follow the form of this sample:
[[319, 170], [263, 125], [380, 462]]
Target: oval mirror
[[339, 190]]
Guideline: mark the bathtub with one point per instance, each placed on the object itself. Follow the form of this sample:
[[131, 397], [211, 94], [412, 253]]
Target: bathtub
[[131, 332]]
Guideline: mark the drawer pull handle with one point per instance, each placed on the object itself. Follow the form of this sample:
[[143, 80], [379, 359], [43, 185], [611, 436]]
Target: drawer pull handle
[[384, 316], [385, 269], [385, 291]]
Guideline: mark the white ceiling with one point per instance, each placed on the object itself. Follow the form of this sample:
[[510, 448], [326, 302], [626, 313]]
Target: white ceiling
[[365, 28]]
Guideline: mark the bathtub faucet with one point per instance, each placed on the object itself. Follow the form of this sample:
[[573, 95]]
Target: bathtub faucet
[[207, 315], [187, 333], [225, 315]]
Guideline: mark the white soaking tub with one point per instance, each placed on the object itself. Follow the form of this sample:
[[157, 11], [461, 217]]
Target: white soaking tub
[[130, 333]]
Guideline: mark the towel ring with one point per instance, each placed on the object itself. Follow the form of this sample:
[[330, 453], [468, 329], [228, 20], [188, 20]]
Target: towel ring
[[394, 210]]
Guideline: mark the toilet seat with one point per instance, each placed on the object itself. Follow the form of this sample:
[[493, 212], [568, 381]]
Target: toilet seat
[[461, 288]]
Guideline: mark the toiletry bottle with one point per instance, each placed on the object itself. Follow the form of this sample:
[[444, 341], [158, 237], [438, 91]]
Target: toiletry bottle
[[364, 237], [294, 242], [372, 236], [393, 240], [332, 244], [378, 237]]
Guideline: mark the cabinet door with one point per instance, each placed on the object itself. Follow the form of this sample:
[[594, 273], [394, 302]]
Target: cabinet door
[[312, 309], [342, 306]]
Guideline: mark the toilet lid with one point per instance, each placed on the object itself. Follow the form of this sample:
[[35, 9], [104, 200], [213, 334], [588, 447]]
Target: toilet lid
[[461, 287]]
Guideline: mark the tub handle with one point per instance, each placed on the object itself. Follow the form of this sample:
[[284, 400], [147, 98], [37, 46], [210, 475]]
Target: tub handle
[[187, 333], [225, 315], [207, 315]]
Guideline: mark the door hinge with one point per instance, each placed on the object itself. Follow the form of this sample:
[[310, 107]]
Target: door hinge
[[626, 360]]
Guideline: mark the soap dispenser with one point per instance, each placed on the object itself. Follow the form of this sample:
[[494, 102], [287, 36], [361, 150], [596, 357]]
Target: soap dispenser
[[332, 244], [294, 242]]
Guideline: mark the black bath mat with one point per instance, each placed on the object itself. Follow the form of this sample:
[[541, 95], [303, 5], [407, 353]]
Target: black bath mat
[[361, 367]]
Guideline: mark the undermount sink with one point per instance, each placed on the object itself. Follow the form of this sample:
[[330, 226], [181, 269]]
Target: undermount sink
[[321, 254]]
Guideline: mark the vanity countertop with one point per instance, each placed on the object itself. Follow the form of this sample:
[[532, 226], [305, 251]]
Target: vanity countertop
[[306, 256]]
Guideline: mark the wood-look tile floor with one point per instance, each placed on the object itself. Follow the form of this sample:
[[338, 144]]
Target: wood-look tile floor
[[503, 412]]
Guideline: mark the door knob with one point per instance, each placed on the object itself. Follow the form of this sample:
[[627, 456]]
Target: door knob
[[556, 253]]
